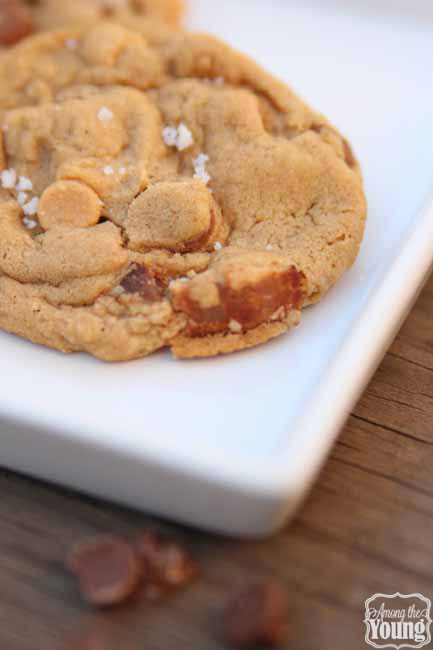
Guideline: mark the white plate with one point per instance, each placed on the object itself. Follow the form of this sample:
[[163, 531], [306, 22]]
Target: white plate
[[233, 444]]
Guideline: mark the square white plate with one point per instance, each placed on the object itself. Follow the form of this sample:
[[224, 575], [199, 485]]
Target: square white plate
[[233, 444]]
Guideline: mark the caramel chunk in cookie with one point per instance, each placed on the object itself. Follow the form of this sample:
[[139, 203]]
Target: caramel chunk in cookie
[[15, 21], [180, 216], [239, 293], [69, 203], [141, 281]]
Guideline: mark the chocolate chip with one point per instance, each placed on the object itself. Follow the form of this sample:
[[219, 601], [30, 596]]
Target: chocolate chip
[[15, 21], [140, 280], [166, 565], [108, 570], [257, 616]]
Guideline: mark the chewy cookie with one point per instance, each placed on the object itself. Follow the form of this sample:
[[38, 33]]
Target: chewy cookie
[[163, 192], [19, 18]]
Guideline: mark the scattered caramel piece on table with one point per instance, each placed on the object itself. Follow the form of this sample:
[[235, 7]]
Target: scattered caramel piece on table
[[107, 569], [257, 616]]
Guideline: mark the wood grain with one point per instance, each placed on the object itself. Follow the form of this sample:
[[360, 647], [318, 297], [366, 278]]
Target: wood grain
[[367, 527]]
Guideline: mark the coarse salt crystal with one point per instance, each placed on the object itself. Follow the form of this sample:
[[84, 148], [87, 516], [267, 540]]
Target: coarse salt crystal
[[184, 138], [169, 135], [269, 247], [29, 223], [105, 115], [180, 137], [31, 207], [22, 198], [108, 170], [71, 43], [218, 246], [24, 184], [200, 168], [234, 326], [8, 179]]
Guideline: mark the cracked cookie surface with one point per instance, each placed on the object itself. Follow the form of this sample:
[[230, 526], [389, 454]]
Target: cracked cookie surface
[[163, 191]]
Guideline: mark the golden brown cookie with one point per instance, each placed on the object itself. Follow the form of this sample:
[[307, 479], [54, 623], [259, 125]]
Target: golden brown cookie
[[163, 191], [51, 14]]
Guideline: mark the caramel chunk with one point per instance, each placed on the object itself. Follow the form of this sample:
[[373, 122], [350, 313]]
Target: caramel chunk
[[166, 565], [107, 569], [69, 203], [227, 296], [15, 21], [140, 280], [257, 616]]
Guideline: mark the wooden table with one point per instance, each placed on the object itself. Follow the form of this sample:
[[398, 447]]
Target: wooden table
[[366, 528]]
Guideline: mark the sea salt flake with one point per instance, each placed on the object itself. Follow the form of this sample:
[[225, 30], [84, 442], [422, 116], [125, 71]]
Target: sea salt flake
[[31, 208], [169, 135], [269, 247], [200, 168], [234, 326], [22, 198], [218, 246], [8, 179], [29, 223], [180, 137], [24, 184], [184, 138], [105, 115], [71, 43], [108, 170]]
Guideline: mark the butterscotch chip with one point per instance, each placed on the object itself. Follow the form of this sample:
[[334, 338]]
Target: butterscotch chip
[[258, 616], [187, 199], [107, 570], [69, 203], [15, 21]]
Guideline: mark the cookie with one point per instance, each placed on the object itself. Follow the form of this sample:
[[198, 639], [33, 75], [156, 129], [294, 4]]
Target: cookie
[[19, 18], [51, 14], [164, 192]]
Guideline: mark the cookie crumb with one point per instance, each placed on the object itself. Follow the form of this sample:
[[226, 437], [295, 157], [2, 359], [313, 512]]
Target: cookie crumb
[[191, 274], [105, 115], [29, 223], [24, 184], [200, 168], [31, 207], [108, 170], [71, 43], [235, 326], [180, 137], [219, 81], [8, 179]]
